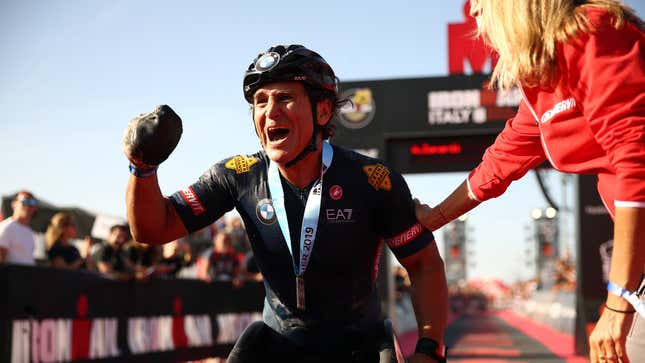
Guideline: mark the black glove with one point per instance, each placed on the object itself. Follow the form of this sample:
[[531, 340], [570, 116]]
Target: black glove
[[150, 138]]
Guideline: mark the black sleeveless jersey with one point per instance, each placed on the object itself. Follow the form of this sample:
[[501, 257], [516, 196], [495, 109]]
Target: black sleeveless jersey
[[364, 204]]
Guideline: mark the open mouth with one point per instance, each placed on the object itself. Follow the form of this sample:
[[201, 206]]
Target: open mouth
[[276, 134]]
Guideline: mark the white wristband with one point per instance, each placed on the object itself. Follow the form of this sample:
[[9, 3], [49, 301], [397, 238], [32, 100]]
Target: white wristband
[[630, 296]]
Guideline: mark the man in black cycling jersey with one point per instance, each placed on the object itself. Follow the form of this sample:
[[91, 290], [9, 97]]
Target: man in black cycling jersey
[[317, 217]]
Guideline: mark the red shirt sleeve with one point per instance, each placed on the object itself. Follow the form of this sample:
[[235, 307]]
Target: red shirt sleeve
[[516, 150], [606, 69]]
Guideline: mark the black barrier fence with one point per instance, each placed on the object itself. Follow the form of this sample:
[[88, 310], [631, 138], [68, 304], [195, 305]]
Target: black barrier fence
[[51, 315]]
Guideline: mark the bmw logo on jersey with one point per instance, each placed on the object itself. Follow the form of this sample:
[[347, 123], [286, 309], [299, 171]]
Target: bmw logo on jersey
[[265, 212]]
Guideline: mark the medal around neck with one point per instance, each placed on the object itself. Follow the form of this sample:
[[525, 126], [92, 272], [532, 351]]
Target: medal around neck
[[309, 220]]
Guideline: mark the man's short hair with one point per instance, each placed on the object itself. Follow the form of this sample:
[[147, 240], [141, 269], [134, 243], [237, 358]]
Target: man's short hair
[[26, 193]]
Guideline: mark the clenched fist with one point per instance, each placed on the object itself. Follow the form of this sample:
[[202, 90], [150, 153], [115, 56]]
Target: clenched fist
[[150, 138]]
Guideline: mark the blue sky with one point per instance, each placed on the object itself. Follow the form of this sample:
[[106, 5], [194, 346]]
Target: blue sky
[[72, 73]]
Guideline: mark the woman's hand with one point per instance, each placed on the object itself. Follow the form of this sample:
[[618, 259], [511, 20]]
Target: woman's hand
[[607, 340], [431, 218]]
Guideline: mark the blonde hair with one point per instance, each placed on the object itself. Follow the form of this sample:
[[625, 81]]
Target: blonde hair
[[56, 227], [525, 34]]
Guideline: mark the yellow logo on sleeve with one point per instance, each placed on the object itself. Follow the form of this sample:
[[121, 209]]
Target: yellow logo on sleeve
[[241, 164], [378, 176]]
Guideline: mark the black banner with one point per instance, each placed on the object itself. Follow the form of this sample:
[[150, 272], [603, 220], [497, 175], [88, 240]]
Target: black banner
[[424, 124], [51, 315], [593, 253]]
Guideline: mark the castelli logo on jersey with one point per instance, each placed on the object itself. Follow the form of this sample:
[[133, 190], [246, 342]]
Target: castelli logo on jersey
[[336, 192], [241, 164], [193, 201]]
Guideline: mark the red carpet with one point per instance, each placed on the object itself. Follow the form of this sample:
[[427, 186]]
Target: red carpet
[[408, 340], [560, 344], [501, 337]]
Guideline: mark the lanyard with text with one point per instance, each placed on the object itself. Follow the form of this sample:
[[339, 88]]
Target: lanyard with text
[[309, 220]]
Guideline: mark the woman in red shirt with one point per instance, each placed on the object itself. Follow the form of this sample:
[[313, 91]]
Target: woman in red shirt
[[581, 68]]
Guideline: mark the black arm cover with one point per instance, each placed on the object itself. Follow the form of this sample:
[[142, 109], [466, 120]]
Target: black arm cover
[[151, 137]]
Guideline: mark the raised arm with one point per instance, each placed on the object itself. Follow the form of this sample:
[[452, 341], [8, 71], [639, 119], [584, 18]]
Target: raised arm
[[152, 217], [148, 141]]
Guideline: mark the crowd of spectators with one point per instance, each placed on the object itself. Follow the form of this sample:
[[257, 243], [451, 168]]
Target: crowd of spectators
[[219, 252], [564, 274], [561, 274], [478, 295], [463, 297]]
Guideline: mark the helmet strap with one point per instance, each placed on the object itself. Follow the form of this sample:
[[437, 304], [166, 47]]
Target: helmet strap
[[312, 144]]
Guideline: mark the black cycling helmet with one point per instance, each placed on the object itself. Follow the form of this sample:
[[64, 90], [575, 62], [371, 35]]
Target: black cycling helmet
[[288, 63], [294, 62]]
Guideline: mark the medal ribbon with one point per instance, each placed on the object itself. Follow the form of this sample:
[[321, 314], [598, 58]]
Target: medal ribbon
[[312, 210]]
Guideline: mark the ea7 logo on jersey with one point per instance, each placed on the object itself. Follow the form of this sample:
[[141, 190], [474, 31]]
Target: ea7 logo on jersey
[[339, 215], [378, 176], [241, 164]]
